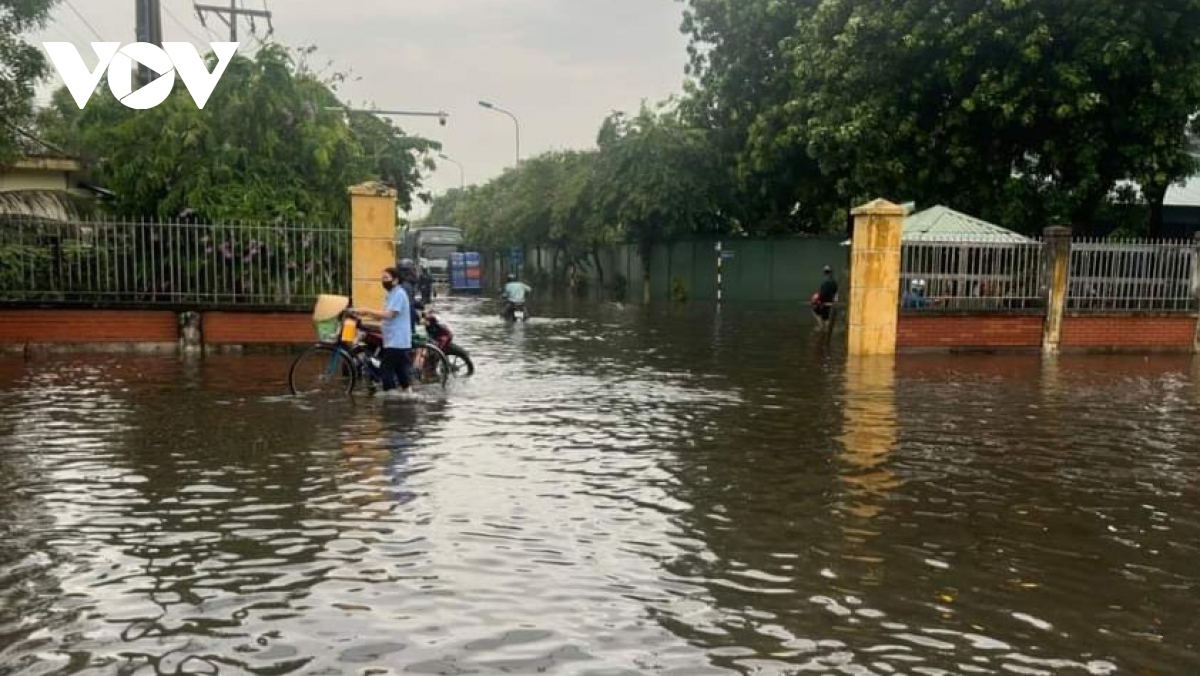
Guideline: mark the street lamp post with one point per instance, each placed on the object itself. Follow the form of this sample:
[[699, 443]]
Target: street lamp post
[[441, 115], [498, 109], [462, 176]]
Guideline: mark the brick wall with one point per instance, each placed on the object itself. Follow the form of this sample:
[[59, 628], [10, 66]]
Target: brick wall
[[966, 331], [23, 326], [1128, 331], [19, 326], [255, 328]]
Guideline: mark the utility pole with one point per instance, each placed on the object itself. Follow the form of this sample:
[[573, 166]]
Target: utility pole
[[149, 29], [231, 14]]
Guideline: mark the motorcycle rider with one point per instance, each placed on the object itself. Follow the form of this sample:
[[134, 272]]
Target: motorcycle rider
[[515, 292], [408, 282], [425, 285]]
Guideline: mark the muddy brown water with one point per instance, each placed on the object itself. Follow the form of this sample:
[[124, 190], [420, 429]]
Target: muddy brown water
[[618, 491]]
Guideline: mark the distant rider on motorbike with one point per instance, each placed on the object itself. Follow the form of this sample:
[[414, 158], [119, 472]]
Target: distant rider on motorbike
[[514, 293]]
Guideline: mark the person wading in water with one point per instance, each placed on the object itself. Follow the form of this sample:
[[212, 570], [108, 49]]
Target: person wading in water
[[397, 334], [823, 300]]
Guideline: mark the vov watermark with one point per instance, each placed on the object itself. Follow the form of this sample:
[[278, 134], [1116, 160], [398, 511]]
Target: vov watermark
[[172, 58]]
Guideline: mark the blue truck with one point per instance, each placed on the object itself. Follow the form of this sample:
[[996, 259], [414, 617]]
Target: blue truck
[[466, 273]]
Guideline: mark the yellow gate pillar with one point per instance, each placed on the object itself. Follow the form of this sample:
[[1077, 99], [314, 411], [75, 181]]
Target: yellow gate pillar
[[373, 247], [875, 278], [1056, 262]]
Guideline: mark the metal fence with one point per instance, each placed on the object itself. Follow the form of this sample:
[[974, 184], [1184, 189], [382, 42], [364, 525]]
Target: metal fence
[[1132, 275], [122, 263], [971, 275]]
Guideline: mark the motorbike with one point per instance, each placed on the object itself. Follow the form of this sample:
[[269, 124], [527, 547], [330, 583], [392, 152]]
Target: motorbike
[[515, 312], [443, 337]]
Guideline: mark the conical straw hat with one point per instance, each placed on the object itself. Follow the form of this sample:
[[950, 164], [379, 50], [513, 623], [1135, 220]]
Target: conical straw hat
[[329, 307]]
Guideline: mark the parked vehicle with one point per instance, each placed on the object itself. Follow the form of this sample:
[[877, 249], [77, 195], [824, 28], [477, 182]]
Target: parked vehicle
[[443, 337]]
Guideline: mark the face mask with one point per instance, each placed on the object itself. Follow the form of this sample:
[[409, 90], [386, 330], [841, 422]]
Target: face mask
[[389, 285]]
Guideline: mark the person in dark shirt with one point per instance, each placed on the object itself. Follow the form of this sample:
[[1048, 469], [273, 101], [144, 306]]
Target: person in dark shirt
[[425, 286], [823, 300], [408, 282]]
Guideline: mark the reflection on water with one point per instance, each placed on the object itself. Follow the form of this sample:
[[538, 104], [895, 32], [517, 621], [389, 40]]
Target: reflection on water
[[618, 492], [869, 433]]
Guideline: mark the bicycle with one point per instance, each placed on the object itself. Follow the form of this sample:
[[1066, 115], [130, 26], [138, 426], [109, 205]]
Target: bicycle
[[349, 355]]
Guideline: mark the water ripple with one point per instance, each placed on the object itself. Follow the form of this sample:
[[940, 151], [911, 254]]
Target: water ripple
[[623, 492]]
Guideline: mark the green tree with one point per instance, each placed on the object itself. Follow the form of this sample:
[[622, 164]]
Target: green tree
[[658, 181], [21, 65], [742, 71], [267, 147], [444, 208], [1023, 111]]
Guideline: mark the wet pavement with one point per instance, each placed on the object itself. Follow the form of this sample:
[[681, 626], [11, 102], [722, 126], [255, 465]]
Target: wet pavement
[[618, 491]]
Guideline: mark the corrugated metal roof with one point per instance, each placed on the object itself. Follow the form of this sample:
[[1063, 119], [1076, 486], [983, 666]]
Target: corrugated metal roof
[[943, 224]]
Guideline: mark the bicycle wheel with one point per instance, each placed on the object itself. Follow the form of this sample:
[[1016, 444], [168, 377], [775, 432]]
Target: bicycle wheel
[[430, 365], [367, 374], [460, 361], [323, 368]]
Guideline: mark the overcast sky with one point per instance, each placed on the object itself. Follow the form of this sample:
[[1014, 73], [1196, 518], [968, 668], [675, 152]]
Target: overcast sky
[[560, 65]]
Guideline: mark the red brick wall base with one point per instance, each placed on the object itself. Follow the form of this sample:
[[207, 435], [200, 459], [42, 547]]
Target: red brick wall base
[[81, 327], [1081, 332], [147, 329], [968, 331], [1128, 332], [254, 328]]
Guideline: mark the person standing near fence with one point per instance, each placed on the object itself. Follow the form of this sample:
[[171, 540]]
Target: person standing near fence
[[824, 299], [397, 333]]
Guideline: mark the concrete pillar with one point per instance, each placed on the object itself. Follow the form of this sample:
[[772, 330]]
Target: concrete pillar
[[875, 278], [373, 247], [1056, 274]]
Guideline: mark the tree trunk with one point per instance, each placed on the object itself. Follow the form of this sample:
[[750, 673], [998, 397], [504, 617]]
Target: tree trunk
[[645, 249], [599, 267], [1156, 196]]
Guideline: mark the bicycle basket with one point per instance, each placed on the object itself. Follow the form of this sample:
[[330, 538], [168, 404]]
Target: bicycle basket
[[327, 330]]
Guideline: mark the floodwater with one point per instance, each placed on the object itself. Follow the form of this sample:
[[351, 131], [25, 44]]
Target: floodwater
[[618, 491]]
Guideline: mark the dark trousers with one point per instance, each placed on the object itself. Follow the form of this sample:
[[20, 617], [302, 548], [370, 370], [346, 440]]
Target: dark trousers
[[396, 365]]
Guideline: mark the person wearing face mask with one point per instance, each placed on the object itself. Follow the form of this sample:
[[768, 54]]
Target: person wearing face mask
[[396, 357]]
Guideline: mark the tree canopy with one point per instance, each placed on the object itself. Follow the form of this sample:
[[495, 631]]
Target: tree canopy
[[269, 145], [1025, 112], [651, 179], [21, 65]]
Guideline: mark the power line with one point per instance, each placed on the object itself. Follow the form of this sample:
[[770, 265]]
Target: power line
[[234, 13], [171, 15], [85, 21]]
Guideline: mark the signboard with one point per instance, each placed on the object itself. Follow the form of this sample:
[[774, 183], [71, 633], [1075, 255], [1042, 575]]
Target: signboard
[[726, 255], [516, 257]]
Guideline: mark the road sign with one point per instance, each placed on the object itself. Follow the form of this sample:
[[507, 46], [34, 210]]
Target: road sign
[[516, 256], [726, 255]]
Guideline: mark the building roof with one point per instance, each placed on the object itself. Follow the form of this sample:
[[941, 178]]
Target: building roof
[[943, 224]]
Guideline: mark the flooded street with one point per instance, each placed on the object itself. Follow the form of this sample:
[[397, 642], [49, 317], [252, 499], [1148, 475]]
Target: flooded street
[[617, 491]]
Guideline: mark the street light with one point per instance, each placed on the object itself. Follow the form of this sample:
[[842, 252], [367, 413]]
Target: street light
[[441, 115], [462, 176], [498, 109]]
